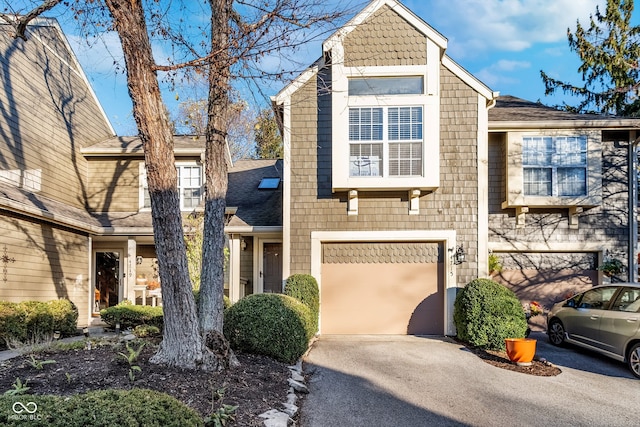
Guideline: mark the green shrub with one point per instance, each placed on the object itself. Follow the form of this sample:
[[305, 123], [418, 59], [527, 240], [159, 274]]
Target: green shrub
[[130, 316], [305, 288], [104, 408], [65, 316], [485, 313], [39, 321], [13, 326], [225, 299], [142, 331], [275, 325]]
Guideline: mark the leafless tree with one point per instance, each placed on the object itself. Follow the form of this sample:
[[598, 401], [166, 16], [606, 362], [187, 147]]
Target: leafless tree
[[230, 47]]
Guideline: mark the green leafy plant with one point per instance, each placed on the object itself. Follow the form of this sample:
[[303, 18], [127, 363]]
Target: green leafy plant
[[275, 325], [485, 313], [135, 407], [19, 387], [39, 364], [304, 288], [130, 316], [612, 267], [142, 331], [495, 265], [68, 375], [221, 415], [131, 357]]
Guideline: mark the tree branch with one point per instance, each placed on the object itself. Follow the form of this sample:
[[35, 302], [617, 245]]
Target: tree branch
[[20, 22]]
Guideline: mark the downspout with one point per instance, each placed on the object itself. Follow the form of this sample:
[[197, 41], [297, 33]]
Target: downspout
[[633, 208]]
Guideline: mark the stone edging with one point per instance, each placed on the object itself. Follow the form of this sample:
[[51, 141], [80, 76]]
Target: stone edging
[[284, 417]]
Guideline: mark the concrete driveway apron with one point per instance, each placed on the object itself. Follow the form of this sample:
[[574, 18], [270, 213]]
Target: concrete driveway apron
[[433, 381]]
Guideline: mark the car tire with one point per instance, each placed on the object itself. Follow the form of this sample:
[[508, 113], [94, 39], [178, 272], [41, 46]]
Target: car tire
[[633, 360], [556, 332]]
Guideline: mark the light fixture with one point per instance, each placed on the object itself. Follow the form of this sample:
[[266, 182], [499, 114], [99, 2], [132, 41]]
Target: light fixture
[[243, 245], [139, 259], [459, 256], [56, 335]]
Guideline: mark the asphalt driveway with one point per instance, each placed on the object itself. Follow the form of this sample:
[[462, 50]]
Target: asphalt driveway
[[433, 381]]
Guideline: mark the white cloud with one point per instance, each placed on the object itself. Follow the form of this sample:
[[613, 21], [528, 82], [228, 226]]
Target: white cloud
[[498, 72], [476, 26]]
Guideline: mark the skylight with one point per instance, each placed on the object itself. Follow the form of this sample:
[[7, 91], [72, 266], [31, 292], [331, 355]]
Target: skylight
[[269, 183]]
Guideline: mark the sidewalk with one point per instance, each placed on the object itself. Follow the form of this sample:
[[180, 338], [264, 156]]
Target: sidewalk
[[94, 332]]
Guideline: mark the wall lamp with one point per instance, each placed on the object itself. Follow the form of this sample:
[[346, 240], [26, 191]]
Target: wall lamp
[[139, 260], [459, 256]]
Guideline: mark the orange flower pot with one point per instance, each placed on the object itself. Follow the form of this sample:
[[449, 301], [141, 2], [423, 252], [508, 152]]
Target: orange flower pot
[[521, 350]]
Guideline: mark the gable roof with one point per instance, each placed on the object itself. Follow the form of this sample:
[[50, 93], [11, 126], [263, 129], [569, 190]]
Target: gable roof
[[132, 145], [511, 112], [338, 37], [255, 207]]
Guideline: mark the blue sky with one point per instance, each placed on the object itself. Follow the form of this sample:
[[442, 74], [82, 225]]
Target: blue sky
[[504, 43]]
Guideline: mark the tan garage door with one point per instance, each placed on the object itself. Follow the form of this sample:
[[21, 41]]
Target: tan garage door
[[382, 288]]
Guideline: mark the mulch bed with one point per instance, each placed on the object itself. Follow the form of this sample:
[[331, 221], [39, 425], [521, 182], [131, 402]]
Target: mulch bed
[[257, 385], [499, 359]]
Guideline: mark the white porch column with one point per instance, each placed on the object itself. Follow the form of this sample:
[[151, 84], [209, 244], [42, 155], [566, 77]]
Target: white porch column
[[131, 268], [234, 268]]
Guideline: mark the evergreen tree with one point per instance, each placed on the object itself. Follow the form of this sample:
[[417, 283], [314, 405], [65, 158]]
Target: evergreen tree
[[268, 140], [609, 50]]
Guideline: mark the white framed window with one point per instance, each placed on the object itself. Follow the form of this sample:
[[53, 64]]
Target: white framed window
[[190, 186], [554, 166], [386, 141]]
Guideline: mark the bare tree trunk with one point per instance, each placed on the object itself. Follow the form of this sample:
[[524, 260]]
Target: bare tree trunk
[[182, 343], [212, 278]]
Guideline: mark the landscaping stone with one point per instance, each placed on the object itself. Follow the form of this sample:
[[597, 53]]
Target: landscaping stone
[[275, 418], [298, 386]]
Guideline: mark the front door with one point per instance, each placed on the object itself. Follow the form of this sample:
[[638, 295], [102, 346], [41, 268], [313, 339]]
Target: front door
[[272, 268], [107, 280]]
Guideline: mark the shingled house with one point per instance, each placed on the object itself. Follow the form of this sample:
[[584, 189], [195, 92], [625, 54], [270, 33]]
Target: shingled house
[[402, 174]]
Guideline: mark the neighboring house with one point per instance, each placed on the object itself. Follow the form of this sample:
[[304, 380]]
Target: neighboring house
[[402, 174], [397, 160], [75, 218]]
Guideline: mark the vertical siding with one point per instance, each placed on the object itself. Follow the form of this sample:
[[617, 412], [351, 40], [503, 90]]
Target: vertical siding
[[314, 208], [47, 114], [50, 263]]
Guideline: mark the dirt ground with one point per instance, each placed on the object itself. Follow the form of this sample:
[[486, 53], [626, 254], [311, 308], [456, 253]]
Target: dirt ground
[[259, 384]]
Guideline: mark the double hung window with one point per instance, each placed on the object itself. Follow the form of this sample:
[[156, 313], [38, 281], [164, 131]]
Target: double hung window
[[554, 166], [385, 141], [189, 186]]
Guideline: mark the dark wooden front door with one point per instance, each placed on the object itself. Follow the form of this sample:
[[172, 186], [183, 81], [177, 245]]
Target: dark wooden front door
[[272, 268]]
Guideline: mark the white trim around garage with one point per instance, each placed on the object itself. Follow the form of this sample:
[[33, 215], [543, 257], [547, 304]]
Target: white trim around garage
[[447, 237]]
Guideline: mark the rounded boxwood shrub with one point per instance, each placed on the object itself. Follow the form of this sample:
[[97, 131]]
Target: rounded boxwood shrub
[[304, 288], [130, 316], [103, 408], [65, 316], [275, 325], [485, 313]]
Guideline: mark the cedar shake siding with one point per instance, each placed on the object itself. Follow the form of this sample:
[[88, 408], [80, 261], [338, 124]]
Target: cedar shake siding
[[385, 38], [548, 276], [48, 115], [452, 206], [46, 262]]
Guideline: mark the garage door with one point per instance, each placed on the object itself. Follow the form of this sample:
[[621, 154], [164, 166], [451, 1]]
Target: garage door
[[382, 288]]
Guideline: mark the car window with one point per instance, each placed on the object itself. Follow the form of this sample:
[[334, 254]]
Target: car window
[[597, 298], [627, 300]]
